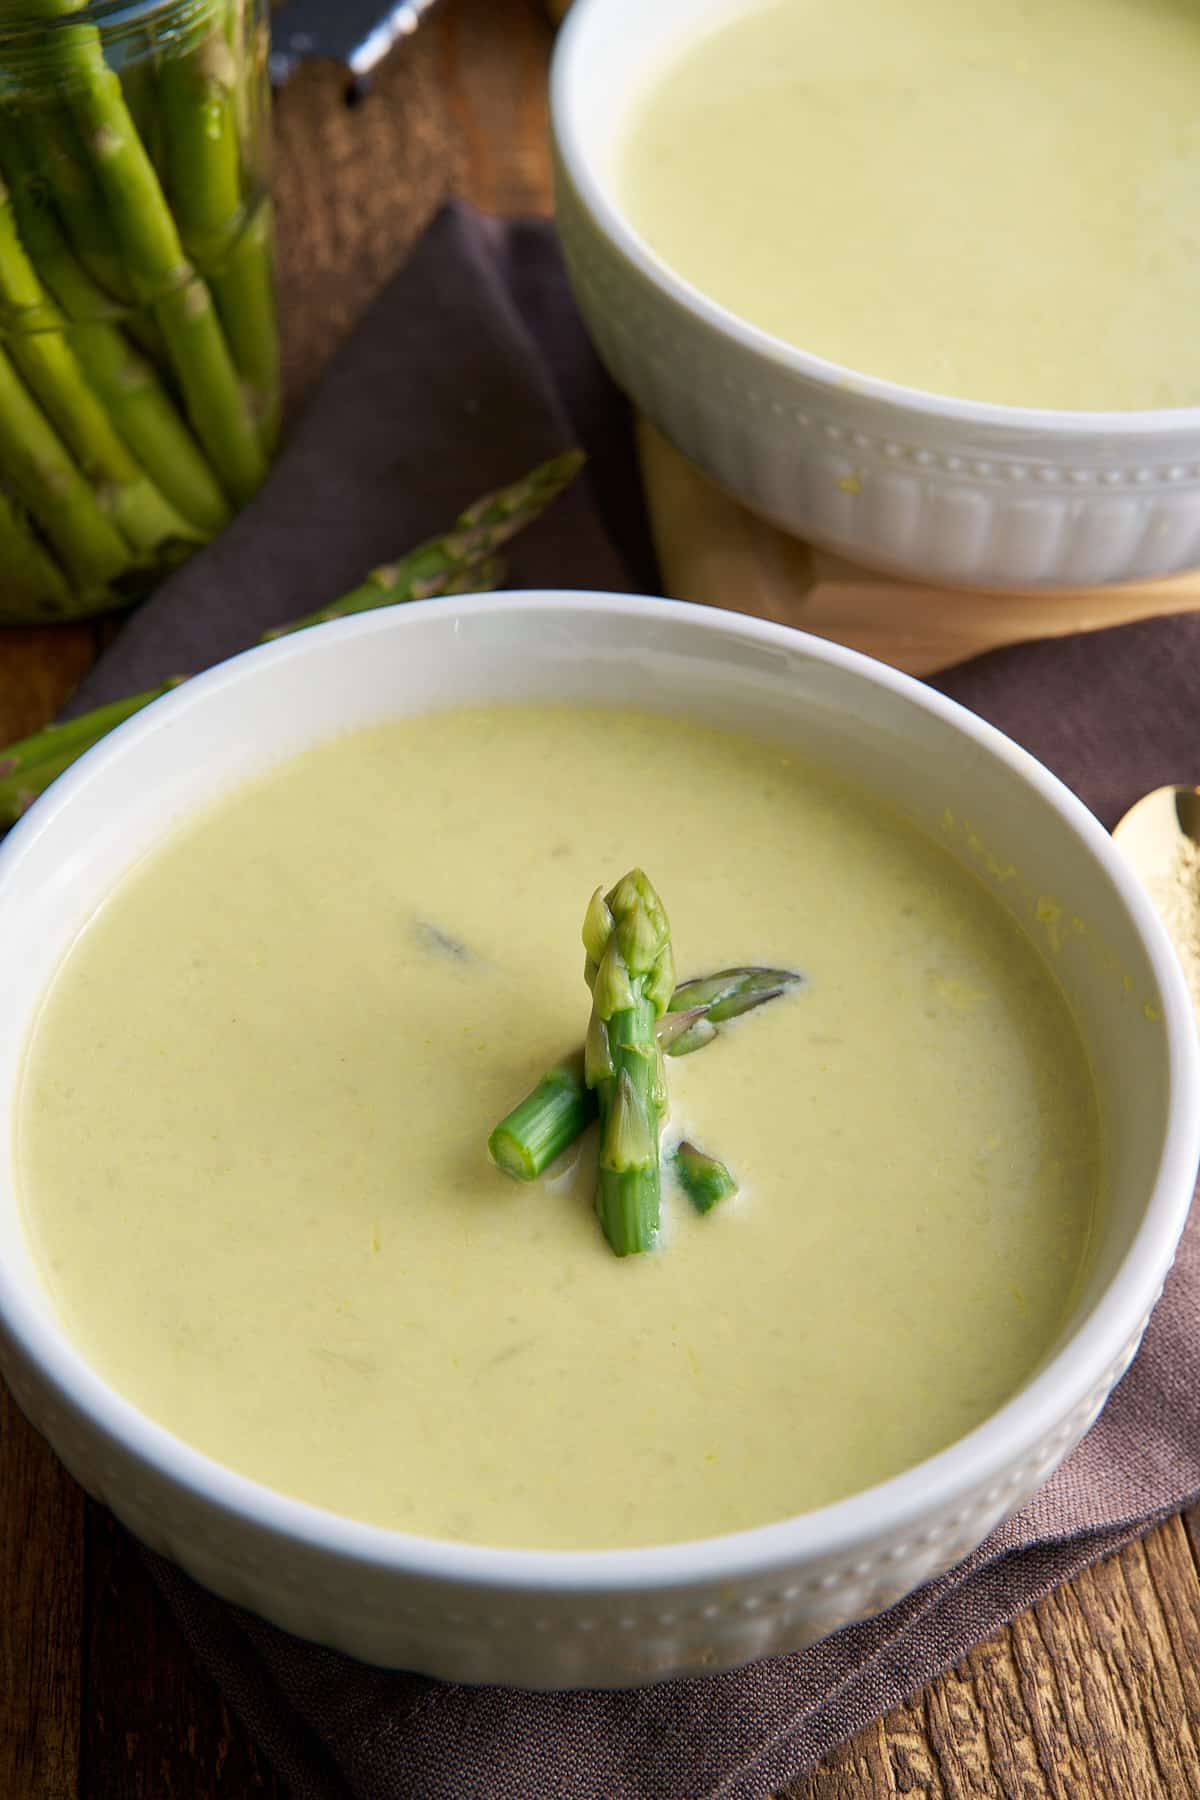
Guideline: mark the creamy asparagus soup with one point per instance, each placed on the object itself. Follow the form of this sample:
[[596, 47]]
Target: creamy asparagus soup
[[992, 200], [252, 1130]]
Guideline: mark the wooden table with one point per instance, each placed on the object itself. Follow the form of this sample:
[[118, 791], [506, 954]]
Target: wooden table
[[1096, 1692]]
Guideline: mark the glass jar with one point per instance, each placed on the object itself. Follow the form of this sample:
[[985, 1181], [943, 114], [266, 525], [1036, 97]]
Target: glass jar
[[139, 357]]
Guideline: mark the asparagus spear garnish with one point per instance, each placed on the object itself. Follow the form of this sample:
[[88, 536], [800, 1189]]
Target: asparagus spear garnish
[[562, 1106], [456, 563], [631, 972], [703, 1179]]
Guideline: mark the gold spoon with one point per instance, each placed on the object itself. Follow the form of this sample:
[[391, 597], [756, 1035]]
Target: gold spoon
[[1151, 832], [1160, 837]]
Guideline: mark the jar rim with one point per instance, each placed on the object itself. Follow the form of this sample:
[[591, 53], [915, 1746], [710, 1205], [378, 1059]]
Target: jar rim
[[33, 30]]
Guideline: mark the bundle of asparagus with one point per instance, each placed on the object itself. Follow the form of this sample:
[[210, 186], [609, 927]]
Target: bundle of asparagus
[[139, 363], [461, 561]]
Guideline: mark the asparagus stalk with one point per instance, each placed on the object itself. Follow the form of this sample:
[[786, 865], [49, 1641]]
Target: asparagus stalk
[[159, 273], [54, 147], [197, 82], [703, 1179], [28, 767], [540, 1127], [125, 382], [70, 739], [534, 1133], [245, 293], [139, 82], [32, 585], [38, 468], [248, 37], [631, 972], [53, 374], [458, 562], [200, 128], [478, 531]]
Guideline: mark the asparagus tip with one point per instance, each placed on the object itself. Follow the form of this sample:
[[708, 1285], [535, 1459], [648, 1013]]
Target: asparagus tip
[[703, 1178]]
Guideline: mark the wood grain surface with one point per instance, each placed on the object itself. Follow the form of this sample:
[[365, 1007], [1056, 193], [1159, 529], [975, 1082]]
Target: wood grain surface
[[1095, 1692], [712, 550]]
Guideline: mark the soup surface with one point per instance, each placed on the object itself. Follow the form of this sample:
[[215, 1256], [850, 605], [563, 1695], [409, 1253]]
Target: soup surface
[[995, 200], [252, 1137]]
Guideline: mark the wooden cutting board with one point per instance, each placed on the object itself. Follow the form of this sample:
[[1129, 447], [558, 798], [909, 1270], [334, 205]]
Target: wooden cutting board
[[710, 549]]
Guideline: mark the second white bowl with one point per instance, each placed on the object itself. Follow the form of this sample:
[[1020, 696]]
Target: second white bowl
[[932, 488]]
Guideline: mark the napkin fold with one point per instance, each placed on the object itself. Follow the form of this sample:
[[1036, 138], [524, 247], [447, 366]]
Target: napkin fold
[[470, 368]]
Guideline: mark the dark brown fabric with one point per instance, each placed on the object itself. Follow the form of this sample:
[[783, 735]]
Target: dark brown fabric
[[470, 368]]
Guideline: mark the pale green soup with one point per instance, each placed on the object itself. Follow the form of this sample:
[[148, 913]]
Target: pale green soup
[[997, 199], [252, 1138]]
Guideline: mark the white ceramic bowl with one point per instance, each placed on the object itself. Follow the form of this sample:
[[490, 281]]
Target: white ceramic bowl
[[613, 1617], [934, 488]]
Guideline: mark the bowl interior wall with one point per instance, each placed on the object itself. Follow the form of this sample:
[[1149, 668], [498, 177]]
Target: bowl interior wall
[[987, 810]]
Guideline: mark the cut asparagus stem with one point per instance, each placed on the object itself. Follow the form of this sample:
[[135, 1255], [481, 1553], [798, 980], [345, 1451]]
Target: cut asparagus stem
[[537, 1131], [34, 762], [631, 973], [124, 380], [703, 1179], [159, 272], [31, 583], [529, 1134]]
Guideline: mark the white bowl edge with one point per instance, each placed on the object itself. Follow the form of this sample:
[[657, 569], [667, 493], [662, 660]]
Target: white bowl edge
[[892, 1506]]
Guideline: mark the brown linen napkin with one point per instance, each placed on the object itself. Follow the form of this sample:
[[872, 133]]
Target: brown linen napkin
[[468, 369]]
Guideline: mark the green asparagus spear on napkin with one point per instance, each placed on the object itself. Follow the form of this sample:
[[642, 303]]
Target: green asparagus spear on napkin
[[460, 561]]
